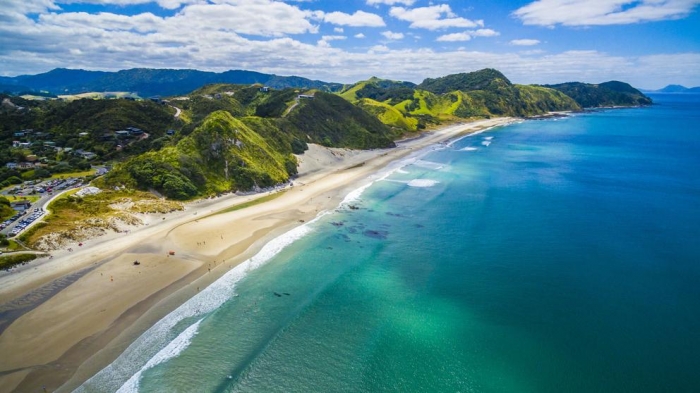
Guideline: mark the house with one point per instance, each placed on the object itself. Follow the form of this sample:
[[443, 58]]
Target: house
[[122, 133], [306, 96], [49, 143], [264, 89], [31, 158], [26, 165], [11, 165], [82, 134], [88, 155], [170, 132], [24, 144], [20, 134], [15, 143], [135, 131], [107, 136]]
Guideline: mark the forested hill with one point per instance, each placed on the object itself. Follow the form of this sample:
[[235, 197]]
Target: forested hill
[[149, 82], [487, 79], [606, 94], [243, 137]]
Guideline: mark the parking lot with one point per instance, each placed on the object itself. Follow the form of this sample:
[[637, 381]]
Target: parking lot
[[46, 190], [24, 220]]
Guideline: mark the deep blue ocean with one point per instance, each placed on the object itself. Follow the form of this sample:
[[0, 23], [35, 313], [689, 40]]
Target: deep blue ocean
[[547, 256]]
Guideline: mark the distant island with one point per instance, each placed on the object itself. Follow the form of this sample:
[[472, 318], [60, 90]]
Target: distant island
[[676, 89]]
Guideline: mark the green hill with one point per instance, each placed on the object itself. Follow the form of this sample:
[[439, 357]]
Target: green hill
[[231, 151], [489, 93], [479, 94], [222, 154], [332, 121], [487, 79], [606, 94], [56, 131]]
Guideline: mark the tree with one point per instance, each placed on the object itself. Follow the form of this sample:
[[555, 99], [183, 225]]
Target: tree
[[40, 173]]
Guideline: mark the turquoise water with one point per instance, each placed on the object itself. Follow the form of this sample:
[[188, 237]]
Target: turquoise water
[[546, 256]]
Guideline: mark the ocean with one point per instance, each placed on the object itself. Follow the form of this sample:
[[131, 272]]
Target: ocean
[[558, 255]]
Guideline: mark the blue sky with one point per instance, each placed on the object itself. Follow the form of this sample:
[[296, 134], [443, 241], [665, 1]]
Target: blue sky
[[649, 43]]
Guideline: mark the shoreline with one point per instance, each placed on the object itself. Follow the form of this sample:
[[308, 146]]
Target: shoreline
[[87, 324]]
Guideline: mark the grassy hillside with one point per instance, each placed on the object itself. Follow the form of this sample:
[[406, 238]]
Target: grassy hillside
[[330, 120], [480, 94], [487, 79], [222, 154]]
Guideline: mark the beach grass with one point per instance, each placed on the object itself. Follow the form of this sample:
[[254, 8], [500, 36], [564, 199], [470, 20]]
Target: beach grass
[[254, 202], [8, 261], [74, 174], [69, 213]]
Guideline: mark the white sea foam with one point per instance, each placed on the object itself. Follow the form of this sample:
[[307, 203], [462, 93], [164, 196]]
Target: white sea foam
[[422, 183], [486, 143], [179, 344], [452, 142], [469, 148], [488, 138], [429, 165], [402, 171]]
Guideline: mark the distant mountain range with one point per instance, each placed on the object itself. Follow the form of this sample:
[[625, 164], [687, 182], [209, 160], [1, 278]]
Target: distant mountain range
[[148, 82], [676, 89]]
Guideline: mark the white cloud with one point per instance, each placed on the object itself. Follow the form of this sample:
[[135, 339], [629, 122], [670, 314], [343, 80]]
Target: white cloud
[[602, 12], [392, 35], [379, 49], [254, 17], [467, 35], [391, 2], [525, 42], [109, 41], [333, 37], [167, 4], [338, 30], [434, 17], [359, 18], [484, 33], [531, 52], [359, 35], [454, 37]]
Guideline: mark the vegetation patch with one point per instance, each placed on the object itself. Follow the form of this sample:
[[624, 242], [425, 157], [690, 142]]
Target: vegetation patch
[[75, 219], [9, 261], [254, 202]]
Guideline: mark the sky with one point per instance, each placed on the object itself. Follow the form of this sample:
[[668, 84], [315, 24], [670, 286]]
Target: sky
[[648, 43]]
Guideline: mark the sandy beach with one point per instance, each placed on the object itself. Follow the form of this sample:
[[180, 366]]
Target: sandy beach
[[68, 317]]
